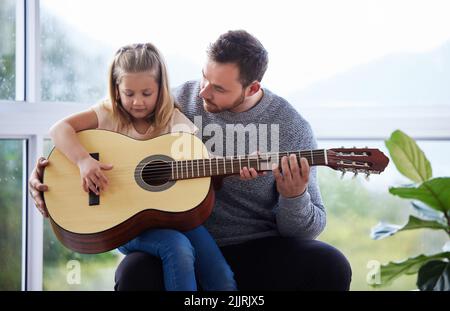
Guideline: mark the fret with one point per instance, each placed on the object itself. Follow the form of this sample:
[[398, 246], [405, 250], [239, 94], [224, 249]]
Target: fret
[[240, 164], [171, 165], [224, 165], [192, 168], [325, 156], [217, 165], [204, 168], [210, 169], [232, 164], [257, 163], [248, 161], [176, 164], [312, 158], [181, 163], [198, 171]]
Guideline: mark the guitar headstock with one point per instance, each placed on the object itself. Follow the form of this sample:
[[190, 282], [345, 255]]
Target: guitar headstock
[[357, 160]]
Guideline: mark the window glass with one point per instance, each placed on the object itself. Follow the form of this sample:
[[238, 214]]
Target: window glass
[[7, 49], [322, 53], [11, 193]]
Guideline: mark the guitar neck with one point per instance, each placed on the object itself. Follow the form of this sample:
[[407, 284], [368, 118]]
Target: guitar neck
[[187, 169]]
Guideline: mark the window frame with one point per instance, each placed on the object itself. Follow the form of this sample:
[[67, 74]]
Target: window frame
[[33, 117]]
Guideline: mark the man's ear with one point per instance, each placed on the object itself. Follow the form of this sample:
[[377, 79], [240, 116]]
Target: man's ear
[[253, 88]]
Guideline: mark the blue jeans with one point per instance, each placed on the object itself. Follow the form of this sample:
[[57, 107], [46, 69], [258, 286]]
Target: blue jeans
[[185, 257]]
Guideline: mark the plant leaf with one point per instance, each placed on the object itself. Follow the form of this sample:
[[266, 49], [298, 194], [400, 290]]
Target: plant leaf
[[384, 230], [428, 213], [446, 247], [434, 275], [434, 192], [409, 159], [393, 270]]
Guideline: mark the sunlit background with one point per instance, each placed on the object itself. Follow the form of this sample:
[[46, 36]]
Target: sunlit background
[[358, 54]]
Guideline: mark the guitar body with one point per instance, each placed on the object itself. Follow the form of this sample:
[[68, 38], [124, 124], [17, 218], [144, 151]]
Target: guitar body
[[92, 224]]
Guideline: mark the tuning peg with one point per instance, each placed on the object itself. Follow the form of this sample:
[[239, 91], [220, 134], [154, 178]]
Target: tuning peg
[[343, 173], [356, 174], [367, 176]]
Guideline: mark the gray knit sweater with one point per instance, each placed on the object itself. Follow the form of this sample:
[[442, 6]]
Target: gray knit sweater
[[246, 210]]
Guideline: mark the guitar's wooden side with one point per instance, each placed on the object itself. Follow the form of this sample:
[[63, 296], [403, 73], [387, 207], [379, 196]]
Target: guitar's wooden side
[[122, 233], [125, 208]]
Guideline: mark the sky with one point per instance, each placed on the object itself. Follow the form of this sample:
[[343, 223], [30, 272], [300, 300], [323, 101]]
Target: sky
[[307, 40]]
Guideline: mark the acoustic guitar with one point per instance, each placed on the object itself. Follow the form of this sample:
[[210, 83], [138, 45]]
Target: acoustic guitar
[[161, 182]]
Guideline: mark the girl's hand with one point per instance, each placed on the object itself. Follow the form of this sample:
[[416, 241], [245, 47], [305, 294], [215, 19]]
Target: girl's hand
[[92, 177]]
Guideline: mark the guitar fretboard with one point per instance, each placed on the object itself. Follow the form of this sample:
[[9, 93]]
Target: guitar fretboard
[[187, 169]]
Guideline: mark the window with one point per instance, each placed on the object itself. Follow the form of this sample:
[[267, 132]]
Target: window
[[7, 49], [11, 201], [354, 206]]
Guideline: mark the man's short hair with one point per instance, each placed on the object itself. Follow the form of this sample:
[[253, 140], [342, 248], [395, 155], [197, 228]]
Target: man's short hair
[[244, 50]]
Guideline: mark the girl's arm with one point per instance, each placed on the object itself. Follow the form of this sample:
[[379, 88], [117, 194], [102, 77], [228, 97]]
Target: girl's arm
[[63, 134]]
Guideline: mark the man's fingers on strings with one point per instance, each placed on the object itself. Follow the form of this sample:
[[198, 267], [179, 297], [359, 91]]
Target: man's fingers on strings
[[285, 167], [253, 173], [276, 173], [294, 165], [305, 169], [245, 173]]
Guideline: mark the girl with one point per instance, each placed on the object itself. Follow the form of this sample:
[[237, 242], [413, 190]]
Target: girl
[[140, 105]]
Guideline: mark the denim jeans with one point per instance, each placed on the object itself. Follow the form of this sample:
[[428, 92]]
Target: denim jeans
[[186, 257]]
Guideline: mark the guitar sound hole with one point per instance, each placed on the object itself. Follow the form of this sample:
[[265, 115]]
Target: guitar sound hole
[[156, 173]]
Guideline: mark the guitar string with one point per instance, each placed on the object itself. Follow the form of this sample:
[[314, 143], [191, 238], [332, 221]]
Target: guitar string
[[165, 169], [228, 159], [192, 165]]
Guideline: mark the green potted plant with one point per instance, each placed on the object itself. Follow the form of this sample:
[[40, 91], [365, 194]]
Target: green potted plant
[[431, 202]]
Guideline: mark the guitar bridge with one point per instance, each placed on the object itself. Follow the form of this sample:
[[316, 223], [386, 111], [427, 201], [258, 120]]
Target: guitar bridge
[[93, 198]]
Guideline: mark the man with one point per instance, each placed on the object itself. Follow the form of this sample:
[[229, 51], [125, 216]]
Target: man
[[266, 226]]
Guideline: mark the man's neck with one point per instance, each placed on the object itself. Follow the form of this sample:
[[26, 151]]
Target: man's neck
[[249, 102]]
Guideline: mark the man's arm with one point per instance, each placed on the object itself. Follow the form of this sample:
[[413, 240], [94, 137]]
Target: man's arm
[[300, 211]]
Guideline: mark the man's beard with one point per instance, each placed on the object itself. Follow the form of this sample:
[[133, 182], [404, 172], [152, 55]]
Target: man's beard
[[213, 108]]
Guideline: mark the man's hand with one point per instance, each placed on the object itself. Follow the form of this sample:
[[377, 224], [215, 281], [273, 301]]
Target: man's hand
[[250, 173], [294, 180], [36, 186]]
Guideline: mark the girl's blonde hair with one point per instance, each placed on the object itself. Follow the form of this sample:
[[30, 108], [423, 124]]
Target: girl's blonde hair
[[139, 58]]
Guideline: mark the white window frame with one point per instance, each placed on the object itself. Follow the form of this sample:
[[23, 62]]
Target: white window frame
[[29, 118]]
